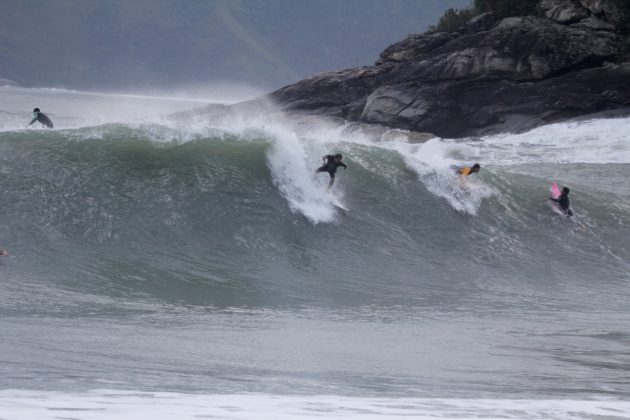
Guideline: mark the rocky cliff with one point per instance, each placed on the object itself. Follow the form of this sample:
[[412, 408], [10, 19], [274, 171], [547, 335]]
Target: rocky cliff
[[491, 75]]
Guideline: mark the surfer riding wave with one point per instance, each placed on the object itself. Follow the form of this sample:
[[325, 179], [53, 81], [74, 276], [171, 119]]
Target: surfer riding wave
[[331, 163]]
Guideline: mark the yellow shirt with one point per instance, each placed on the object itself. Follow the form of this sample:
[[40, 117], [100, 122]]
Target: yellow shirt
[[465, 171]]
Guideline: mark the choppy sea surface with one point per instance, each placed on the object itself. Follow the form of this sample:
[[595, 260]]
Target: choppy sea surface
[[162, 268]]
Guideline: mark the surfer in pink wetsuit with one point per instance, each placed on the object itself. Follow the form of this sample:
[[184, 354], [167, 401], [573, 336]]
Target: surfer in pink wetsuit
[[563, 201]]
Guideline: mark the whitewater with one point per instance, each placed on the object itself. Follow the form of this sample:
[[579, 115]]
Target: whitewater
[[171, 264]]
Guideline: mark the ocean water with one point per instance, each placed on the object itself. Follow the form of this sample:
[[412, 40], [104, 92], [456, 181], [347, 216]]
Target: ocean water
[[164, 267]]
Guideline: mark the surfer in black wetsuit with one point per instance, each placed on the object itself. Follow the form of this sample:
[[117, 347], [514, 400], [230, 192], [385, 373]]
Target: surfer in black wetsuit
[[42, 118], [563, 201], [331, 164]]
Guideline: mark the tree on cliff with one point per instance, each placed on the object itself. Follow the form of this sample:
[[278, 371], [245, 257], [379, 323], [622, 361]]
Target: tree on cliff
[[623, 14], [452, 19], [506, 8], [455, 18]]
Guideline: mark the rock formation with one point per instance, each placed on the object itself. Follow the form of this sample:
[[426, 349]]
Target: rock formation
[[491, 75]]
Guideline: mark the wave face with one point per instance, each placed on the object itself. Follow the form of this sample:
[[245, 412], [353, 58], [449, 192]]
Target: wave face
[[121, 219], [234, 215]]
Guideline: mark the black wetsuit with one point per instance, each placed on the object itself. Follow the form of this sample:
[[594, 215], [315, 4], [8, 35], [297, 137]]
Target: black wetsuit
[[331, 166], [564, 204], [43, 119]]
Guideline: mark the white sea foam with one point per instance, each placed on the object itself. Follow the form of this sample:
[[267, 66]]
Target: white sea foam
[[74, 110], [292, 173], [597, 141], [133, 405], [296, 149], [435, 164], [292, 160]]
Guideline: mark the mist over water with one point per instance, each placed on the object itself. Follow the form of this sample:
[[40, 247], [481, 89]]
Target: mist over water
[[151, 253]]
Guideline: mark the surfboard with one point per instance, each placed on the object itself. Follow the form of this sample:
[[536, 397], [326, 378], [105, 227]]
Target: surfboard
[[340, 206], [554, 192], [334, 200]]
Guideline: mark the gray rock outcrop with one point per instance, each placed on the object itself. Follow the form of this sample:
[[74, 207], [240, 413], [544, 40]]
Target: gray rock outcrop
[[492, 75]]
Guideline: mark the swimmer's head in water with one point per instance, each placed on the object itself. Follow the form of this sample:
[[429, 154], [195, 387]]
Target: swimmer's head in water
[[476, 168]]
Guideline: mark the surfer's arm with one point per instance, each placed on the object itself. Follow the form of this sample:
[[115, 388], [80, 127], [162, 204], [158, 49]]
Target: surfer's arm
[[34, 119], [344, 165]]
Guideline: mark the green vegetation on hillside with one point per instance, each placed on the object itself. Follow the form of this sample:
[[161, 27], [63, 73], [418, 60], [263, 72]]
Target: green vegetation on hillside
[[623, 26], [453, 18], [506, 8]]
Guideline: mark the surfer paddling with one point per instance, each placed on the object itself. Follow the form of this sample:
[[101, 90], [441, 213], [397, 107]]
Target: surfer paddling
[[331, 163], [563, 201], [42, 118]]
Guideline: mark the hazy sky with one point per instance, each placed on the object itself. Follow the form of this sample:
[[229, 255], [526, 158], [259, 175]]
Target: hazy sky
[[137, 44]]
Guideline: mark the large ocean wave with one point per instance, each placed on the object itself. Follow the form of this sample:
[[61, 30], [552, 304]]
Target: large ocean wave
[[230, 211], [199, 253]]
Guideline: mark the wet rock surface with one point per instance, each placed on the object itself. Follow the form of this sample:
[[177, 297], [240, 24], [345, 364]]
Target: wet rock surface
[[492, 75]]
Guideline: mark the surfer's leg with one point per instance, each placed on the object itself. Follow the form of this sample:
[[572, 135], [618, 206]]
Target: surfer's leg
[[332, 181]]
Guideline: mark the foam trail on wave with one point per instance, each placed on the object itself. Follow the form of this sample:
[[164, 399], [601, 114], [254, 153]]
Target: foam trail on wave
[[290, 158], [292, 174], [433, 162]]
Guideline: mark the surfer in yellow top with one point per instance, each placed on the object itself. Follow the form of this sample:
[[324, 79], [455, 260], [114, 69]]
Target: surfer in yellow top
[[467, 170]]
